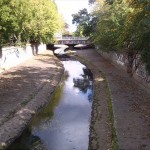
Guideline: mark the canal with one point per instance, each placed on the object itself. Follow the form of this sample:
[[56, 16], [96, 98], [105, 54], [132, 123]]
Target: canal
[[64, 123]]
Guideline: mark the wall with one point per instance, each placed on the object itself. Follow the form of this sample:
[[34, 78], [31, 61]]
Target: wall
[[11, 56], [120, 60]]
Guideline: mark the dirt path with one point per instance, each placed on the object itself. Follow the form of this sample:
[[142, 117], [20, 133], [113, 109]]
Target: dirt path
[[130, 102], [24, 89]]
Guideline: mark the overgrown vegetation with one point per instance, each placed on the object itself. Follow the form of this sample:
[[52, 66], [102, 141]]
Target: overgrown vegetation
[[120, 25], [114, 141]]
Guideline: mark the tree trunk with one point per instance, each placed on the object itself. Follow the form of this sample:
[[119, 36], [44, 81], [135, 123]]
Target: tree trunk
[[130, 58], [0, 51]]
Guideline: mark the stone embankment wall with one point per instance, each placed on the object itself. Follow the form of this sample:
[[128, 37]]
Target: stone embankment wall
[[11, 56], [120, 60]]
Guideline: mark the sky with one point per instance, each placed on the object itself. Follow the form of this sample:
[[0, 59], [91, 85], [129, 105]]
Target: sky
[[69, 7]]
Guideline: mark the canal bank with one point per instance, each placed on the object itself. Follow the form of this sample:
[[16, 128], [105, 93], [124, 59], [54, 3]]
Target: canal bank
[[102, 131], [130, 105], [24, 90]]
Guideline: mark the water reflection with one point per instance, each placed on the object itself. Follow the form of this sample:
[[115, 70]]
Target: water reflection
[[28, 140], [64, 124], [84, 84]]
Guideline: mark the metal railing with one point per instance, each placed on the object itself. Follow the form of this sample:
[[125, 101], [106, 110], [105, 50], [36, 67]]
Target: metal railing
[[72, 38]]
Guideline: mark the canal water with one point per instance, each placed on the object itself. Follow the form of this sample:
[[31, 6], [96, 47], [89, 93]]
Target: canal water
[[64, 123]]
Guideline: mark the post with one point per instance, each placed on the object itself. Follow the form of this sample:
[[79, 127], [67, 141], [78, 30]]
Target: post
[[0, 51]]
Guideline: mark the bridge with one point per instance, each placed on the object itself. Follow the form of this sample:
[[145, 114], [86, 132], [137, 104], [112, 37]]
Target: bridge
[[72, 41]]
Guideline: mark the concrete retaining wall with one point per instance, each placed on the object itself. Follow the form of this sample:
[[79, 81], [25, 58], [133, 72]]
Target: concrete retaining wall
[[120, 60], [12, 56]]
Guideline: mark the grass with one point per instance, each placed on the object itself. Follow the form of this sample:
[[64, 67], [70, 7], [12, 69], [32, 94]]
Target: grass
[[114, 142]]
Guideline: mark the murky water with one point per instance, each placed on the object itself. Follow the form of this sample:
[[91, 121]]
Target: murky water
[[64, 123]]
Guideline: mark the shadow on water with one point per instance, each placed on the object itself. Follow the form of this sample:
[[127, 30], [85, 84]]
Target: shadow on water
[[64, 123], [28, 141]]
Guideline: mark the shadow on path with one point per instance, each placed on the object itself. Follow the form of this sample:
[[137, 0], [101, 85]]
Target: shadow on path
[[21, 83]]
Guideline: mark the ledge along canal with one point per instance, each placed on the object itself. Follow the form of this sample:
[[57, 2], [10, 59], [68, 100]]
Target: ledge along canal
[[64, 124]]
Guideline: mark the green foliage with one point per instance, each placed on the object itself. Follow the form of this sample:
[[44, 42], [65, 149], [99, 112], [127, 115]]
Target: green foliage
[[124, 25], [84, 22], [109, 26], [110, 2], [79, 31], [5, 20], [38, 19], [92, 1]]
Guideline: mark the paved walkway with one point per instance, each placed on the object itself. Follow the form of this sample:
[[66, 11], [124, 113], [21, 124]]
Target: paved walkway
[[131, 104], [24, 89]]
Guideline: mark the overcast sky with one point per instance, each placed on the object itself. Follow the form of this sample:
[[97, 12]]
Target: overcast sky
[[69, 7]]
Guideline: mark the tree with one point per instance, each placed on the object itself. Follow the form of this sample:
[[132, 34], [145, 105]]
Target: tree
[[46, 20], [25, 19], [137, 29], [123, 25], [66, 29], [84, 22], [92, 1], [5, 23]]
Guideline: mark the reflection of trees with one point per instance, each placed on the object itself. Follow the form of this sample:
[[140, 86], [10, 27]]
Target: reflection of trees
[[27, 142], [84, 84], [47, 113], [87, 73]]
